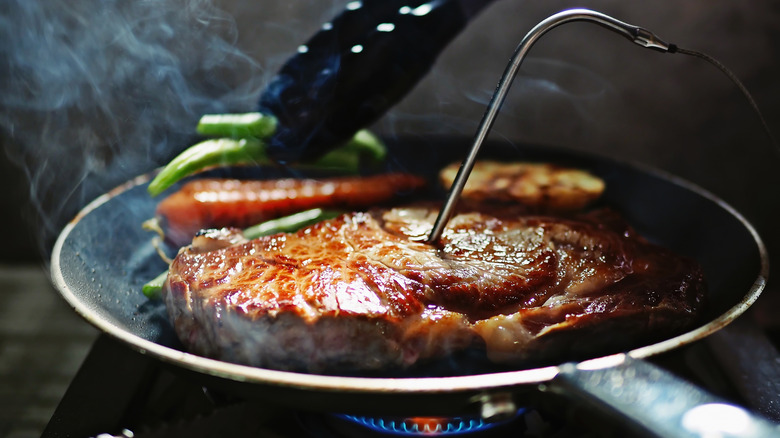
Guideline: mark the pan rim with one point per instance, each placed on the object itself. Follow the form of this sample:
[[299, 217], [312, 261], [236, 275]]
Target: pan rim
[[405, 385]]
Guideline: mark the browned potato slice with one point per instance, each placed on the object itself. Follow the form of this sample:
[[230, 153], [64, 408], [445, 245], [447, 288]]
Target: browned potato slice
[[539, 185]]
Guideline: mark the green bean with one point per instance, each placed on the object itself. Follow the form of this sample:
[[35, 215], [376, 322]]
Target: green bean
[[288, 224], [209, 153], [233, 152], [347, 158], [247, 125], [151, 289], [284, 224]]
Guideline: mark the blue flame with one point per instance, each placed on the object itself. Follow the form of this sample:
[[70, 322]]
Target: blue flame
[[401, 426]]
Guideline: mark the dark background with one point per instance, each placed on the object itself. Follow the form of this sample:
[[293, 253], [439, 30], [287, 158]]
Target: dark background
[[581, 87]]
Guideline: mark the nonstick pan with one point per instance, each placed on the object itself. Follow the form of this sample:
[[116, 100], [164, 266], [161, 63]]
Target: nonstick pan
[[103, 257]]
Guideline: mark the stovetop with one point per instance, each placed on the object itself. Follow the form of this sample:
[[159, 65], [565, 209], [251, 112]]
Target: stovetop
[[152, 400], [59, 377], [118, 392]]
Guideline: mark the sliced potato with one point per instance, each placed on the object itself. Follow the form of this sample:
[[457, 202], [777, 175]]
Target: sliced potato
[[540, 185]]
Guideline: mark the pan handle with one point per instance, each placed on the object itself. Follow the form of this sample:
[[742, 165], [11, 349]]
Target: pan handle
[[656, 402]]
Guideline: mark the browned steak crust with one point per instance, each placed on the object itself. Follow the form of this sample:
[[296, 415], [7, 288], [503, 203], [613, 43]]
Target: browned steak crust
[[365, 292]]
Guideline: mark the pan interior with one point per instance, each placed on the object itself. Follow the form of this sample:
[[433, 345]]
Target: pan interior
[[103, 257]]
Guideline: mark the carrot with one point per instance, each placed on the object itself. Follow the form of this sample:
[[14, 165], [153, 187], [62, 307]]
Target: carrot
[[216, 203]]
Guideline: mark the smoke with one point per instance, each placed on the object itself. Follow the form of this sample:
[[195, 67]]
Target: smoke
[[93, 92]]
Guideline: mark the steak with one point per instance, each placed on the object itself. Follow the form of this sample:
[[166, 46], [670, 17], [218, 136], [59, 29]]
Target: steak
[[365, 292]]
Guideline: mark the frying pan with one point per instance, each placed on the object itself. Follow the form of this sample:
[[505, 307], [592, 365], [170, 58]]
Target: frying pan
[[103, 256]]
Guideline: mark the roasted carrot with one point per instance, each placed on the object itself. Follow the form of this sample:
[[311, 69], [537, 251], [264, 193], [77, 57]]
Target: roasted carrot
[[210, 203]]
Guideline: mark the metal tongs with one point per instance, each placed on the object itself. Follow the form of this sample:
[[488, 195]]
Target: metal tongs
[[635, 34]]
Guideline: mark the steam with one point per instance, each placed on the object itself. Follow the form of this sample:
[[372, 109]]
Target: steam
[[93, 92], [548, 86]]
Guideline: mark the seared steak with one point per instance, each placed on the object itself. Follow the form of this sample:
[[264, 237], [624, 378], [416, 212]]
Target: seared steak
[[365, 292]]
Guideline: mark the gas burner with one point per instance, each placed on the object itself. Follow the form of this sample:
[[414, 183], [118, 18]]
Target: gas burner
[[426, 426], [346, 426], [152, 400]]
